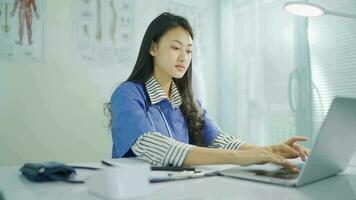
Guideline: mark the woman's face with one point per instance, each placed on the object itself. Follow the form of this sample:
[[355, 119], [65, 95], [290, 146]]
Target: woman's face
[[172, 54]]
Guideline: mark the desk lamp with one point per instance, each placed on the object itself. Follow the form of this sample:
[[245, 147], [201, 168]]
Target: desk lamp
[[312, 10]]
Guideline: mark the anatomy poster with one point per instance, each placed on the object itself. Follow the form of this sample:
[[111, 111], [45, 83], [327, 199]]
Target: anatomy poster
[[22, 29], [104, 30]]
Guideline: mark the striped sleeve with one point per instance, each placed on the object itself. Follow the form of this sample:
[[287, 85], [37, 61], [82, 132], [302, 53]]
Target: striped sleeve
[[160, 150], [224, 141]]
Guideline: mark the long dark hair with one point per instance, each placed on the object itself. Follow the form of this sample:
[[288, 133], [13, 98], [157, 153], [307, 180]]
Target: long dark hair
[[143, 70]]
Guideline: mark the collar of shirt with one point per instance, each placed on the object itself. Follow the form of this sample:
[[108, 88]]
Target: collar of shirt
[[156, 93]]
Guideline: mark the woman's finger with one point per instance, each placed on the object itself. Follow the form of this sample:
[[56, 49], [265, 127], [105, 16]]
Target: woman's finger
[[306, 154], [292, 152], [288, 152], [296, 139], [300, 151], [274, 158], [277, 159], [307, 151]]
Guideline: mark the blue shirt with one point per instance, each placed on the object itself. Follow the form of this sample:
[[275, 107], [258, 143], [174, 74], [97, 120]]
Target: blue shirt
[[130, 104]]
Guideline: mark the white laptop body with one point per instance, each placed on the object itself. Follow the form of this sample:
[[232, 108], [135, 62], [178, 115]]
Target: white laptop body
[[331, 152]]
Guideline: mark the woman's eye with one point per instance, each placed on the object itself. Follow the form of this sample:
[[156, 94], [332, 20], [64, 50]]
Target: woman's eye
[[175, 48], [189, 51]]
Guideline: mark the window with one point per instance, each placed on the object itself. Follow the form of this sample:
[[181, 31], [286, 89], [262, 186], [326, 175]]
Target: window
[[332, 42], [263, 71]]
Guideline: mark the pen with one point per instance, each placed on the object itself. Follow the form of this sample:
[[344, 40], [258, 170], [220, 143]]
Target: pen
[[183, 176], [157, 168], [107, 163], [172, 168]]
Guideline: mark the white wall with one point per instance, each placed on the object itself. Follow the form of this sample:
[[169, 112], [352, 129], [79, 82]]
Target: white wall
[[52, 109]]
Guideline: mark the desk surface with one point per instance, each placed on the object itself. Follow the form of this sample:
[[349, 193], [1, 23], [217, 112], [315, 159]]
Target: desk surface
[[15, 187]]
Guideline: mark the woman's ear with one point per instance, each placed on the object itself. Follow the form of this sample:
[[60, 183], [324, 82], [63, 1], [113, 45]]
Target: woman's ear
[[153, 49]]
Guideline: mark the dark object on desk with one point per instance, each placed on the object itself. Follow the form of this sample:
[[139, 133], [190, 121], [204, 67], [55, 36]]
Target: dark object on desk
[[172, 168], [48, 171], [51, 171]]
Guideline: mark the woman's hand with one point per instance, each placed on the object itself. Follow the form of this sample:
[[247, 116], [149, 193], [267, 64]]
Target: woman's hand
[[262, 156], [290, 149]]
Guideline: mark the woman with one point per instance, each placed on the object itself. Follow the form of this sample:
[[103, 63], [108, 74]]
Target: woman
[[156, 117]]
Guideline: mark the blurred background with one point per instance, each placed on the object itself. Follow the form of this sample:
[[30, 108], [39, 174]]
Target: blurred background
[[262, 74]]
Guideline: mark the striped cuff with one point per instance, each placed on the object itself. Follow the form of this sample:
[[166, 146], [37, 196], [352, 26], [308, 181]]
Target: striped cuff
[[160, 150], [224, 141]]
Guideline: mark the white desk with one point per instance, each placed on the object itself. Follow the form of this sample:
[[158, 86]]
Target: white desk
[[15, 187]]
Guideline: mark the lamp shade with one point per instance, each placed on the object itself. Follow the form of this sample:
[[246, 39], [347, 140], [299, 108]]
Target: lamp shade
[[304, 9]]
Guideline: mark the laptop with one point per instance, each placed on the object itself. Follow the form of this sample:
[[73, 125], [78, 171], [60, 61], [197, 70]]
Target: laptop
[[331, 153]]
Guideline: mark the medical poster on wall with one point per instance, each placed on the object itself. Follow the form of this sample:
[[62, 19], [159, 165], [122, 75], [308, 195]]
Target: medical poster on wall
[[103, 30], [22, 29]]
